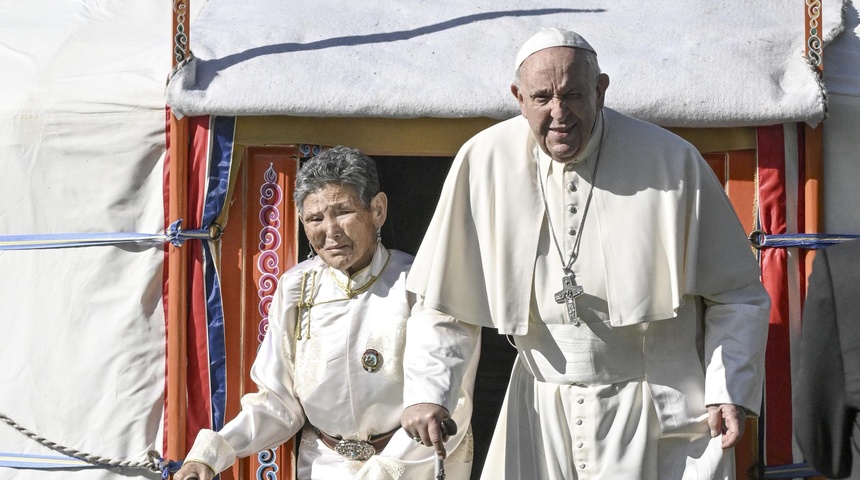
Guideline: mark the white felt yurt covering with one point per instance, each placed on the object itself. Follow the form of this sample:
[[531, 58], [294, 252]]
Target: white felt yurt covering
[[82, 140], [842, 128], [695, 63]]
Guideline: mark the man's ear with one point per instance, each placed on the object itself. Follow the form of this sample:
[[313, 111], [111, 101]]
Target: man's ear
[[515, 90], [602, 85]]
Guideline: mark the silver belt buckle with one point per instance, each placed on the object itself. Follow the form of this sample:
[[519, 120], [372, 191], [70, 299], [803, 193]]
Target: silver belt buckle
[[355, 449]]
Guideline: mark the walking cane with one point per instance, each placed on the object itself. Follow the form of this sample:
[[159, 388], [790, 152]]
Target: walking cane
[[449, 427]]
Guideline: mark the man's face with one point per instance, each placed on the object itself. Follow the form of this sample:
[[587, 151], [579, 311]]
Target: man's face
[[560, 96]]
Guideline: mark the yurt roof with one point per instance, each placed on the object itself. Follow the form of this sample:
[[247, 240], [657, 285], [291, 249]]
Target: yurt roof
[[695, 63]]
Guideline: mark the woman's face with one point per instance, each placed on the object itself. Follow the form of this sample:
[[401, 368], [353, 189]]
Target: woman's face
[[340, 228]]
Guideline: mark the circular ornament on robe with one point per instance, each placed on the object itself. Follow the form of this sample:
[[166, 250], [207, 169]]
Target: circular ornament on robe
[[371, 360]]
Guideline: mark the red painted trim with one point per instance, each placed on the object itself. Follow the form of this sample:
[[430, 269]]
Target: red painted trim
[[772, 211], [199, 396], [164, 272]]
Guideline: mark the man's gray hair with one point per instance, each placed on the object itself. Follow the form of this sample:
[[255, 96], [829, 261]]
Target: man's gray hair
[[338, 165], [589, 57]]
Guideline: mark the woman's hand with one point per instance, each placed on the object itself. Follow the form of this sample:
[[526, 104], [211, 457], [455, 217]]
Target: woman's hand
[[194, 471], [424, 422]]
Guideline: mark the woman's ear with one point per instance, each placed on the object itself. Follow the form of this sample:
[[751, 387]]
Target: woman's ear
[[379, 209]]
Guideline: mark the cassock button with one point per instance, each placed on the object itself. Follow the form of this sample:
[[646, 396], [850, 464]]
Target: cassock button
[[571, 231], [571, 209], [579, 445], [582, 466], [571, 187], [371, 360], [579, 421], [580, 400]]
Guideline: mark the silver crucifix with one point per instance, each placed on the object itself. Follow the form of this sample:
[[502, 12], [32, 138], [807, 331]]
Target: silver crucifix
[[568, 295]]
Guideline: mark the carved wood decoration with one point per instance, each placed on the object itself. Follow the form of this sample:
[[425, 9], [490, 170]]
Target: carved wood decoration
[[259, 244]]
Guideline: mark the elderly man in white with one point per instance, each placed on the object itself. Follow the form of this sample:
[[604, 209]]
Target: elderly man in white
[[607, 250]]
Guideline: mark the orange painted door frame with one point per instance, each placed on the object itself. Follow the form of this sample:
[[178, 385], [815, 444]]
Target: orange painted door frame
[[736, 170], [259, 244]]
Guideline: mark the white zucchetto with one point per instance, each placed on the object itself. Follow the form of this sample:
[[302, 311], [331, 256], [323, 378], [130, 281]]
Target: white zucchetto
[[551, 37]]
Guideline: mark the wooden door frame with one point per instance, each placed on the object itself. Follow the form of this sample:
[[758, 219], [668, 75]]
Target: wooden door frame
[[258, 246]]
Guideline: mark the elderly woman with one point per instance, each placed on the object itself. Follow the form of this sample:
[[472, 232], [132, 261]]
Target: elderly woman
[[331, 364]]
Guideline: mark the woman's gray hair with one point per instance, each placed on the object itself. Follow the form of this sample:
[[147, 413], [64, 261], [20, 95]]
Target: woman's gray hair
[[338, 165]]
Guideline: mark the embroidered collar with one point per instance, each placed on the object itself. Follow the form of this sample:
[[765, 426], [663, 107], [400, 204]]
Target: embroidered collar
[[363, 279]]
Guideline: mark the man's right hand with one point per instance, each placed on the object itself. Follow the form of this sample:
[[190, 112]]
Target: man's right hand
[[194, 471], [424, 421]]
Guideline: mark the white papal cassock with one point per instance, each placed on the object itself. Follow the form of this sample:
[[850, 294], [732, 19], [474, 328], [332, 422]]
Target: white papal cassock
[[674, 316], [311, 375]]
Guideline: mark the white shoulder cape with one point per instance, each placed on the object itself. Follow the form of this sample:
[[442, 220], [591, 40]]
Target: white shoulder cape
[[666, 225]]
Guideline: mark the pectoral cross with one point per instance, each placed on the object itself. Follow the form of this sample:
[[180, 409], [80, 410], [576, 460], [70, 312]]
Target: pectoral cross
[[568, 295]]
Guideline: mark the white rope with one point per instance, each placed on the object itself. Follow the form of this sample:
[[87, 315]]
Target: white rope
[[152, 464]]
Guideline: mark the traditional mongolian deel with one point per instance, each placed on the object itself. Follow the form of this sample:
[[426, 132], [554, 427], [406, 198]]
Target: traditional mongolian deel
[[332, 361]]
